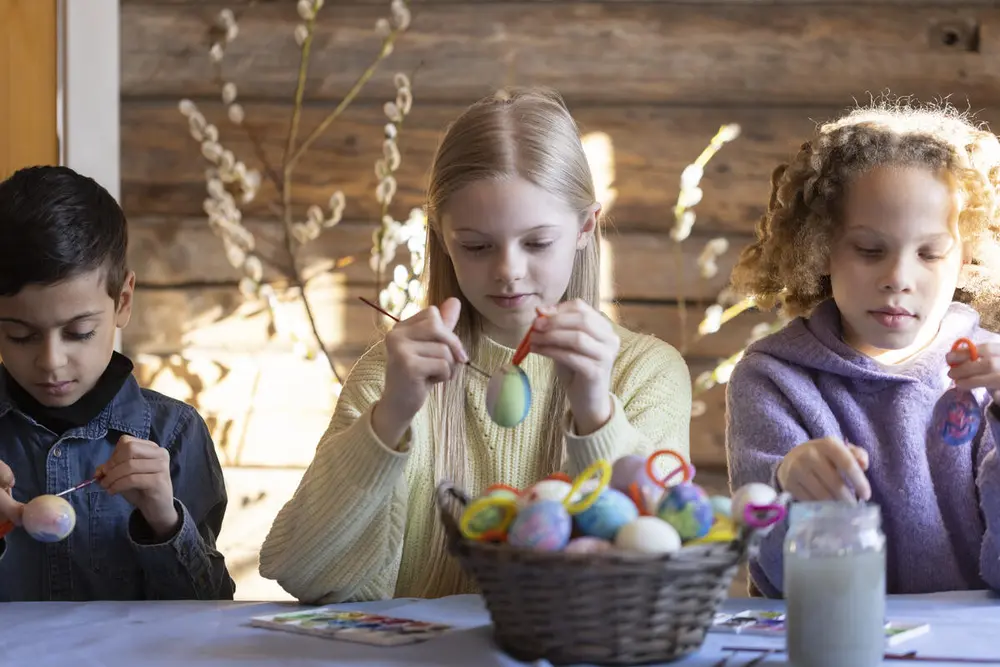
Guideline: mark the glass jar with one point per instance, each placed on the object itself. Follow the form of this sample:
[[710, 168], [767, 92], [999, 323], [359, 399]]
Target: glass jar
[[834, 583]]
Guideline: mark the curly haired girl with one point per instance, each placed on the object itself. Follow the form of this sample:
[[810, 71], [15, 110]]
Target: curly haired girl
[[878, 239]]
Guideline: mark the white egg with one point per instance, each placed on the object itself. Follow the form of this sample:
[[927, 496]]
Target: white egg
[[648, 534], [754, 493], [546, 489]]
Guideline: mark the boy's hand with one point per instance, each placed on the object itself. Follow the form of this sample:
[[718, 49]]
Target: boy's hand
[[140, 471], [815, 470], [10, 509], [983, 372]]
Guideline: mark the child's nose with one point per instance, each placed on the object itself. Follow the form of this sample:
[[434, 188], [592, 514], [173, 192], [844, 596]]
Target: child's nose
[[898, 277], [52, 357]]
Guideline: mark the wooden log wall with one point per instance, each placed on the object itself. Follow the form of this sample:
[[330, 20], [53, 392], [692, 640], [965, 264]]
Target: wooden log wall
[[658, 78]]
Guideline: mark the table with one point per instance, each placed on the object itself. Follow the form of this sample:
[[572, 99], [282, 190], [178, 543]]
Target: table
[[197, 634]]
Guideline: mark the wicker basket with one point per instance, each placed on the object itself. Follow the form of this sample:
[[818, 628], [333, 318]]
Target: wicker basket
[[610, 608]]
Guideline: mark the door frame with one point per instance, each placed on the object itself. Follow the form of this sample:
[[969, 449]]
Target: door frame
[[89, 95]]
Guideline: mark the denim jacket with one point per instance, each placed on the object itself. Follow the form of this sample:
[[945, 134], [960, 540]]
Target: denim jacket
[[106, 557]]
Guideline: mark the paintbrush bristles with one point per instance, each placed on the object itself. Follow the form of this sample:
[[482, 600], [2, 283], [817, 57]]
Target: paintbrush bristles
[[396, 319]]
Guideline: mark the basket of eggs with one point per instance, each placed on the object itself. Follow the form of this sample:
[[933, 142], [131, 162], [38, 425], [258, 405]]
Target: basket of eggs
[[615, 567]]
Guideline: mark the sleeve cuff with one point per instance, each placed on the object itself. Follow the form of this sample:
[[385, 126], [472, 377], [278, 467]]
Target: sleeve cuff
[[605, 443], [141, 535]]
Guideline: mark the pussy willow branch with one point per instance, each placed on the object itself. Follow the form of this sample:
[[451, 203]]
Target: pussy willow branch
[[386, 49], [286, 196]]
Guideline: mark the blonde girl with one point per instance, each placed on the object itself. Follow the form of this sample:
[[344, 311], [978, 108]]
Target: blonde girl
[[513, 230]]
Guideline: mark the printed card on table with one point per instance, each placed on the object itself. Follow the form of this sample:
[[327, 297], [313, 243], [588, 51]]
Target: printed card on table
[[353, 626]]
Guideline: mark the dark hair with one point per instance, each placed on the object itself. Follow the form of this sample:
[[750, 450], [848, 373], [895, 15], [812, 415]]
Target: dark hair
[[56, 224]]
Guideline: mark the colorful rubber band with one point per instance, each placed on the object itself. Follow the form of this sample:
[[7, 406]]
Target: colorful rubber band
[[686, 467], [509, 505], [601, 467], [762, 516], [968, 344]]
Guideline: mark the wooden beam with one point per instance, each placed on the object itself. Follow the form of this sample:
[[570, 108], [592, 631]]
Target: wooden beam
[[163, 171], [28, 84], [644, 266], [593, 52]]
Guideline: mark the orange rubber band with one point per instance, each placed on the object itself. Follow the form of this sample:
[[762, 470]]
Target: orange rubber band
[[965, 342], [561, 476], [662, 483]]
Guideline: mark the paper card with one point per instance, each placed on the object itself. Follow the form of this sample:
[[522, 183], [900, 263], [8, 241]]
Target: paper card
[[353, 626]]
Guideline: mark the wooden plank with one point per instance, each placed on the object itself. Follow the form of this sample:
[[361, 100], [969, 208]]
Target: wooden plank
[[643, 266], [417, 3], [167, 321], [163, 171], [742, 54], [708, 431], [28, 132]]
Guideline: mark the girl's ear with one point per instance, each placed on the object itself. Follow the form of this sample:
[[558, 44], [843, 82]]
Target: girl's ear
[[588, 227]]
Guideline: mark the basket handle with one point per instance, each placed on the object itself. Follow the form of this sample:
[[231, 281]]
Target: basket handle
[[451, 502]]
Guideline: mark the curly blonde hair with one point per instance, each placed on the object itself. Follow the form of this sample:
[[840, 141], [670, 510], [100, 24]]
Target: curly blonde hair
[[787, 264]]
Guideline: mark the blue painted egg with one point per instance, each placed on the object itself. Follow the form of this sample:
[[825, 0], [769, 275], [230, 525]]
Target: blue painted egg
[[543, 526], [508, 396], [612, 510], [687, 508]]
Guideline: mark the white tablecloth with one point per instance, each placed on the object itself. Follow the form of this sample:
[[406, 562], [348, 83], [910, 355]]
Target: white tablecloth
[[197, 634]]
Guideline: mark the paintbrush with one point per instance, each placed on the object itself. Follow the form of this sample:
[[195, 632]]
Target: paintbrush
[[8, 526], [396, 319]]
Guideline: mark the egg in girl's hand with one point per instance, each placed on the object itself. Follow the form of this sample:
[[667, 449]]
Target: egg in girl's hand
[[508, 396], [542, 526], [648, 534], [603, 519], [754, 493], [48, 518]]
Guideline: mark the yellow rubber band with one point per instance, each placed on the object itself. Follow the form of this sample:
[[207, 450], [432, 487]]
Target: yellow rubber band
[[480, 505], [600, 466]]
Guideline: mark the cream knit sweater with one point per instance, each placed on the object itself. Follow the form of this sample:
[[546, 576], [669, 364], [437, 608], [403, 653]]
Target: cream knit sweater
[[359, 525]]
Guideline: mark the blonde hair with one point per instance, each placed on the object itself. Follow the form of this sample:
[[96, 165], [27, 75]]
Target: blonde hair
[[787, 263], [526, 133]]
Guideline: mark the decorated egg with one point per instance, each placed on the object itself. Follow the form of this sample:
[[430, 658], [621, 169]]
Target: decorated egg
[[612, 510], [546, 489], [754, 493], [508, 396], [722, 506], [543, 526], [588, 545], [686, 507], [631, 469], [49, 518], [648, 534]]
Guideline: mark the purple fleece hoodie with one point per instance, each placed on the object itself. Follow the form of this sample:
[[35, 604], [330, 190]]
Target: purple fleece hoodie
[[940, 504]]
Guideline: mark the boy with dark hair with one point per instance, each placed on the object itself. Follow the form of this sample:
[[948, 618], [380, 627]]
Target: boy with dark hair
[[70, 410]]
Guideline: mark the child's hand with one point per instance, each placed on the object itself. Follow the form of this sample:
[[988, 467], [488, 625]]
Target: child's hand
[[421, 351], [983, 372], [10, 509], [140, 471], [815, 470], [584, 346]]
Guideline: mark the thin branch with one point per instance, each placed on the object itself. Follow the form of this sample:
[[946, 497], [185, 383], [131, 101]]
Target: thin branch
[[286, 196], [344, 103]]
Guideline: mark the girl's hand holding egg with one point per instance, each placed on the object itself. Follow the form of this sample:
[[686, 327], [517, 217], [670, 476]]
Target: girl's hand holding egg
[[583, 344]]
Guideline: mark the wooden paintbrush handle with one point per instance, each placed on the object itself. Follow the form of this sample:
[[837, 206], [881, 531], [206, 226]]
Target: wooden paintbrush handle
[[5, 528]]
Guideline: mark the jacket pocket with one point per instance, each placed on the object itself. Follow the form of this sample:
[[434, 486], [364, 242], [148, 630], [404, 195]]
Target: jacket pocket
[[111, 554]]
